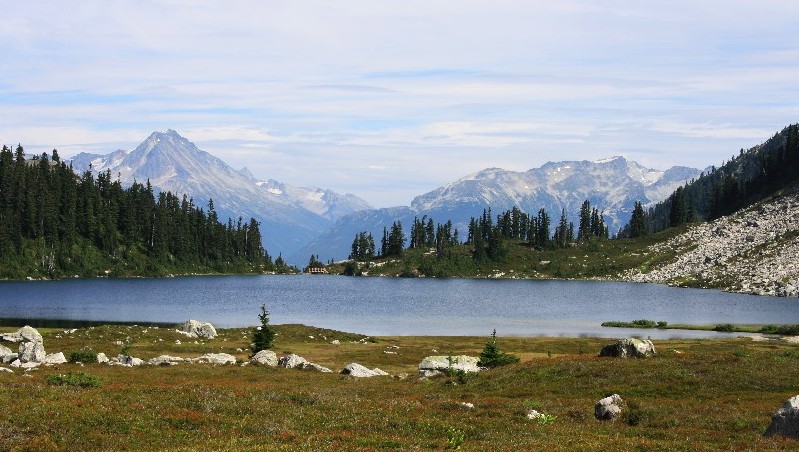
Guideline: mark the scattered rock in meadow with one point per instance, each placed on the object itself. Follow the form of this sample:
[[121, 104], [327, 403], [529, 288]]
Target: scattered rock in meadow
[[217, 358], [534, 415], [6, 369], [360, 371], [264, 358], [129, 361], [467, 405], [10, 358], [55, 358], [438, 365], [27, 366], [336, 342], [4, 351], [24, 334], [292, 361], [313, 366], [101, 358], [609, 408], [195, 328], [785, 421], [165, 360], [629, 348], [31, 352]]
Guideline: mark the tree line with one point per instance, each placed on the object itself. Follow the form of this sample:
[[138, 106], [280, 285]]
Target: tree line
[[743, 180], [60, 223], [487, 235]]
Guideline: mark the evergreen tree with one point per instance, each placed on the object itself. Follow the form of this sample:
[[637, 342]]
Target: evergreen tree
[[679, 211], [584, 228], [497, 251], [492, 356], [395, 241], [637, 224], [264, 336], [562, 231]]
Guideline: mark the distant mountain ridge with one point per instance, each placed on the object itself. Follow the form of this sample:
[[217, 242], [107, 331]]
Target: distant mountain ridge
[[290, 216], [300, 221], [612, 185]]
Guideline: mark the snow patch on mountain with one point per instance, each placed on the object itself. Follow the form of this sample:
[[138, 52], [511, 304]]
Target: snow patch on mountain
[[289, 216], [612, 185]]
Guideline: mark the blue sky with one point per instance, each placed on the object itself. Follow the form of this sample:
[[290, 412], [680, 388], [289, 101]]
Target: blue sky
[[391, 99]]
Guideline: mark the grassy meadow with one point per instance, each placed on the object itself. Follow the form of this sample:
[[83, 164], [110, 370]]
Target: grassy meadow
[[694, 395]]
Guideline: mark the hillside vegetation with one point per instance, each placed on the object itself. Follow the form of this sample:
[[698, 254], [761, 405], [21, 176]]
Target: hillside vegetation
[[735, 228], [54, 224]]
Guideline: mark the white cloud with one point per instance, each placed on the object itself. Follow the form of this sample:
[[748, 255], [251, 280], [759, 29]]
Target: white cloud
[[386, 98]]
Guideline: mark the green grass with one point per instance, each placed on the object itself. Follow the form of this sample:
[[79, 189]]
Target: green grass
[[712, 395]]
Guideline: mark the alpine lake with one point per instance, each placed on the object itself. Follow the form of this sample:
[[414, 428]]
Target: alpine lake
[[381, 306]]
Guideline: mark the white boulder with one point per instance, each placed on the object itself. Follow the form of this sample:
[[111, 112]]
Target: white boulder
[[4, 351], [194, 328], [292, 361], [101, 358], [217, 358], [129, 361], [357, 370], [265, 358], [629, 348], [26, 334], [31, 352], [438, 365], [165, 360], [313, 366], [609, 408], [55, 358]]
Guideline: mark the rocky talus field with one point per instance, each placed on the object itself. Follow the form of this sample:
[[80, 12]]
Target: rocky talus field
[[755, 250]]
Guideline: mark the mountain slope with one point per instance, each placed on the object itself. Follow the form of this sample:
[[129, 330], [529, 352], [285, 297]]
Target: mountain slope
[[172, 163], [612, 185], [755, 250]]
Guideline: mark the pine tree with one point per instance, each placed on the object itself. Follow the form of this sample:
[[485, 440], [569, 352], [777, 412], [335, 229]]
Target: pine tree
[[678, 214], [492, 356], [264, 336], [584, 228], [638, 221]]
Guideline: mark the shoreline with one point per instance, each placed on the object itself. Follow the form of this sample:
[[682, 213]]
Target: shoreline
[[750, 331]]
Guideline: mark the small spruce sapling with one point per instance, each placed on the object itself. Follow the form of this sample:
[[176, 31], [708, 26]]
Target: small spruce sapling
[[492, 356], [263, 337]]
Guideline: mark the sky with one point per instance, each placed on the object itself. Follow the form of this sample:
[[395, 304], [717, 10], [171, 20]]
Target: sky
[[391, 99]]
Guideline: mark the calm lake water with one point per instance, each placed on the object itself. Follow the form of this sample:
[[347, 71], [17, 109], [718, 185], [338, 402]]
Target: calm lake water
[[393, 306]]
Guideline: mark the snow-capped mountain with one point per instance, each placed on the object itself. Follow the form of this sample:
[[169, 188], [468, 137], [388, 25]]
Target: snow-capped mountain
[[612, 185], [325, 203], [289, 216]]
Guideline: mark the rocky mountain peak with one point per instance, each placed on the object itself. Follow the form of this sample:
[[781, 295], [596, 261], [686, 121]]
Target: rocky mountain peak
[[171, 162]]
